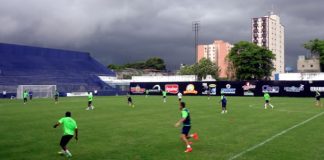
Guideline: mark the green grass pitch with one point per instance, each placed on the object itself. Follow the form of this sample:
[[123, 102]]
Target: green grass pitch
[[116, 131]]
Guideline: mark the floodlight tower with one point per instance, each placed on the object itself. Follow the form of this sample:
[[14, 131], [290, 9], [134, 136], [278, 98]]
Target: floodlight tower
[[195, 28]]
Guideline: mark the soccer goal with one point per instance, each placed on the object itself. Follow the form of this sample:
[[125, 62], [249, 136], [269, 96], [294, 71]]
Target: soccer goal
[[38, 91]]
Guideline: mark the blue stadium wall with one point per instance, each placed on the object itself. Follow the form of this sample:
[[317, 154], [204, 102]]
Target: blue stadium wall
[[231, 88], [71, 71]]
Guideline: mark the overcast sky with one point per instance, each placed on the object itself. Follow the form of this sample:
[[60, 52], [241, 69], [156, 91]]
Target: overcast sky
[[121, 31]]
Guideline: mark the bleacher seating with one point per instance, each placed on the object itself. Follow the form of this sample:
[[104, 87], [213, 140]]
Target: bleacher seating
[[71, 71]]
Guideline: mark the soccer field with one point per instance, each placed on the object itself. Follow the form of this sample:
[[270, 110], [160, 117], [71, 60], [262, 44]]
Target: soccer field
[[292, 130]]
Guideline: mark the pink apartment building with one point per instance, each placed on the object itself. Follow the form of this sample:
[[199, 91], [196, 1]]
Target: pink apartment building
[[217, 53]]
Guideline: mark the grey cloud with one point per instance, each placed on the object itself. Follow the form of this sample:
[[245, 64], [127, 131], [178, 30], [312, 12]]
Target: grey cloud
[[121, 31]]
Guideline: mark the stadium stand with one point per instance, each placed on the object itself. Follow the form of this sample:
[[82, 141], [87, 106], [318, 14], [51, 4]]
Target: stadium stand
[[71, 71]]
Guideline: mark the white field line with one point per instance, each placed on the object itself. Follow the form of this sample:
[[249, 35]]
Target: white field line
[[275, 136], [279, 110]]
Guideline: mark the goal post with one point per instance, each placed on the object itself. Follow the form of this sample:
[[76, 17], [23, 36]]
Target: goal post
[[38, 91]]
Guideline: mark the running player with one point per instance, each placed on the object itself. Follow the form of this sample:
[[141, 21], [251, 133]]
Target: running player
[[185, 120], [224, 102], [179, 96], [69, 129], [267, 100], [130, 101], [164, 93], [90, 99], [318, 98]]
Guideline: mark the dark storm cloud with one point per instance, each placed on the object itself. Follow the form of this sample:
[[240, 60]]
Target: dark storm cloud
[[122, 31]]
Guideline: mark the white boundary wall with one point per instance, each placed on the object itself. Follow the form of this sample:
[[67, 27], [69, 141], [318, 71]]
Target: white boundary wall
[[176, 78], [182, 78], [77, 94], [301, 76], [107, 78]]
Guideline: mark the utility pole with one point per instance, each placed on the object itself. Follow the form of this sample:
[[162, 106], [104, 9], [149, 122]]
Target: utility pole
[[195, 28]]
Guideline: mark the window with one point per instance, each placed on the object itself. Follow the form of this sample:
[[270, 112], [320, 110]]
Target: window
[[303, 66]]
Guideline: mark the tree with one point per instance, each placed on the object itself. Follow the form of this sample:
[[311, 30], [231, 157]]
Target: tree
[[187, 70], [202, 69], [206, 67], [115, 67], [155, 63], [316, 47], [152, 63], [251, 62], [136, 65]]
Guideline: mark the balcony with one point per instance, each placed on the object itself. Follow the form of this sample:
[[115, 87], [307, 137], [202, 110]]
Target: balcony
[[264, 44], [264, 20]]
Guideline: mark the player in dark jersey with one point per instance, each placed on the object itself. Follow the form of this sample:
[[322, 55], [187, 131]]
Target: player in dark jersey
[[186, 122], [318, 98], [30, 95], [130, 101], [56, 95], [224, 103]]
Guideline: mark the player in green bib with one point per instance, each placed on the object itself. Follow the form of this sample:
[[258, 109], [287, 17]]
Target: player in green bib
[[90, 99], [25, 96], [70, 129], [164, 94], [186, 126], [267, 100]]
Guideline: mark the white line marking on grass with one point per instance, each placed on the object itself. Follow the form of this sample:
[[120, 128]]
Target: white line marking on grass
[[275, 136], [280, 110]]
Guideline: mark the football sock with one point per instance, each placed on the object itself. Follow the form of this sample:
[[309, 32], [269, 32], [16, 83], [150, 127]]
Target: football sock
[[271, 105]]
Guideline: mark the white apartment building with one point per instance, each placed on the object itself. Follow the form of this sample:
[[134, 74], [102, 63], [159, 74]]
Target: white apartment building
[[267, 31]]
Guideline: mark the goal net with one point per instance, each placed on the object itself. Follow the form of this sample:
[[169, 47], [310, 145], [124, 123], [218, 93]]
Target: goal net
[[38, 91]]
